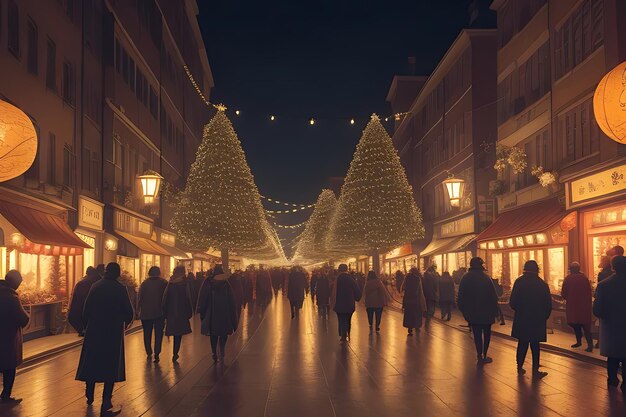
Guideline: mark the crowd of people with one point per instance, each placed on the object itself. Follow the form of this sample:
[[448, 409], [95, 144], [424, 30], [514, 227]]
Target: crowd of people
[[101, 310]]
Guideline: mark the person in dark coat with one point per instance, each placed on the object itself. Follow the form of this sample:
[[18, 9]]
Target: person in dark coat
[[248, 288], [193, 287], [610, 307], [376, 298], [399, 280], [277, 279], [605, 268], [532, 303], [295, 289], [413, 301], [150, 311], [79, 295], [218, 311], [106, 316], [13, 319], [234, 280], [446, 296], [322, 294], [429, 285], [478, 302], [314, 277], [576, 292], [177, 308], [347, 291], [263, 286]]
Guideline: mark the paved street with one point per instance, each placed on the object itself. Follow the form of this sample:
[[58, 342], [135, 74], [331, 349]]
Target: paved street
[[279, 367]]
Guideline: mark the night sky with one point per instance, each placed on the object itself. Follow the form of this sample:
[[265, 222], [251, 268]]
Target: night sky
[[330, 60]]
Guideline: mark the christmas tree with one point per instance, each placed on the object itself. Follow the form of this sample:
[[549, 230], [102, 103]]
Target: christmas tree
[[311, 244], [376, 210], [220, 206]]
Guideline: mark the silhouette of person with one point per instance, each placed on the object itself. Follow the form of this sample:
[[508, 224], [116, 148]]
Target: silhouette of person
[[177, 308], [151, 312]]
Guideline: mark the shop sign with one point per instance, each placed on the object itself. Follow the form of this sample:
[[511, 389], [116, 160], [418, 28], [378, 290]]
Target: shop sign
[[462, 226], [89, 214], [597, 185]]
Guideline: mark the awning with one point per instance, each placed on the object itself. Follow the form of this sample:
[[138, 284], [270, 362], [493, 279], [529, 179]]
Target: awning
[[529, 219], [42, 229], [176, 253], [448, 244], [144, 244]]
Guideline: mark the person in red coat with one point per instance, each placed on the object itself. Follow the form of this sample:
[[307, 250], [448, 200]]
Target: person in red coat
[[577, 293]]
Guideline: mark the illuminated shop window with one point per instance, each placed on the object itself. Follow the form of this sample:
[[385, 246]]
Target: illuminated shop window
[[492, 245], [529, 239], [510, 243], [519, 241], [541, 238], [556, 259]]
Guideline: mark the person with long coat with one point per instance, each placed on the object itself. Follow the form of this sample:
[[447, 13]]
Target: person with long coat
[[478, 302], [234, 280], [429, 285], [13, 319], [177, 309], [610, 307], [347, 292], [446, 296], [150, 311], [217, 307], [79, 295], [277, 279], [576, 292], [263, 286], [107, 314], [295, 289], [399, 280], [314, 277], [532, 303], [248, 288], [376, 298], [413, 301], [322, 294]]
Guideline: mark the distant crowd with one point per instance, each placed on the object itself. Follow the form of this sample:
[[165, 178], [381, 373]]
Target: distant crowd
[[101, 310]]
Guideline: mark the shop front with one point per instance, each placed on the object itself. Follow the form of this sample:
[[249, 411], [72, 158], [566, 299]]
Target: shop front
[[600, 198], [176, 256], [453, 245], [537, 231], [90, 230], [401, 258]]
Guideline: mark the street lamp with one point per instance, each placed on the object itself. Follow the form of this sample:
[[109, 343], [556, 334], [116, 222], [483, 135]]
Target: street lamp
[[150, 184], [455, 187]]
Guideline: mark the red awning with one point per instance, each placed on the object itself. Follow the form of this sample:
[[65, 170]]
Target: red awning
[[531, 218], [41, 228]]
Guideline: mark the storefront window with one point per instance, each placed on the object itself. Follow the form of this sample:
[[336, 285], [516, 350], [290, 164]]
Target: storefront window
[[600, 245], [129, 266], [496, 266], [514, 266], [147, 262], [3, 262], [556, 260]]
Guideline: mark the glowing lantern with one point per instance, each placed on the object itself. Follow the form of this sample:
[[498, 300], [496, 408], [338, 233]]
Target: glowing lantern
[[455, 187], [609, 103], [18, 142], [150, 183]]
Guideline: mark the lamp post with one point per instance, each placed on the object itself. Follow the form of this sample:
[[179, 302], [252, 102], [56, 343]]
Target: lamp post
[[150, 185], [455, 187]]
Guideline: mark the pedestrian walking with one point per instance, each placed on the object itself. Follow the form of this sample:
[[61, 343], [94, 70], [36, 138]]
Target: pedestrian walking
[[191, 282], [79, 295], [263, 286], [322, 294], [248, 288], [399, 280], [605, 268], [446, 296], [217, 307], [177, 309], [610, 307], [576, 292], [413, 301], [347, 291], [295, 289], [314, 278], [234, 280], [429, 285], [478, 302], [277, 279], [376, 298], [13, 319], [106, 316], [150, 309], [532, 303]]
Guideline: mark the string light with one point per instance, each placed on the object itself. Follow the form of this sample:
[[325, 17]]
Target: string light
[[272, 118], [285, 203], [290, 226], [351, 121], [312, 121], [237, 112], [290, 210], [312, 243]]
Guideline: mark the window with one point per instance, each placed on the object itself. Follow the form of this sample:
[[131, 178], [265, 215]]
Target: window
[[52, 151], [33, 47], [68, 83], [14, 28], [67, 166], [154, 103], [118, 56], [95, 173], [514, 16], [131, 74], [579, 135], [33, 172], [86, 166], [125, 65], [139, 91], [51, 62]]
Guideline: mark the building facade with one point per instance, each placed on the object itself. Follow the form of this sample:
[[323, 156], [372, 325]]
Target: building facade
[[108, 86], [449, 130], [556, 199]]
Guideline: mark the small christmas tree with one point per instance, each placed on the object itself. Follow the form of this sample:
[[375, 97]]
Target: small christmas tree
[[56, 277], [312, 243], [376, 210], [220, 206]]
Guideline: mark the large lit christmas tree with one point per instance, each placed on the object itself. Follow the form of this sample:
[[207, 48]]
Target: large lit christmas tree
[[376, 210], [312, 243], [220, 206]]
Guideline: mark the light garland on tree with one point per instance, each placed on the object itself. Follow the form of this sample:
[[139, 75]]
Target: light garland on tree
[[220, 206], [311, 244], [376, 209]]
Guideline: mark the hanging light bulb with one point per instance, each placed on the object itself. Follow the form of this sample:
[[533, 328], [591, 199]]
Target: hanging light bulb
[[396, 116], [272, 118], [237, 112], [312, 121], [386, 119], [351, 121]]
